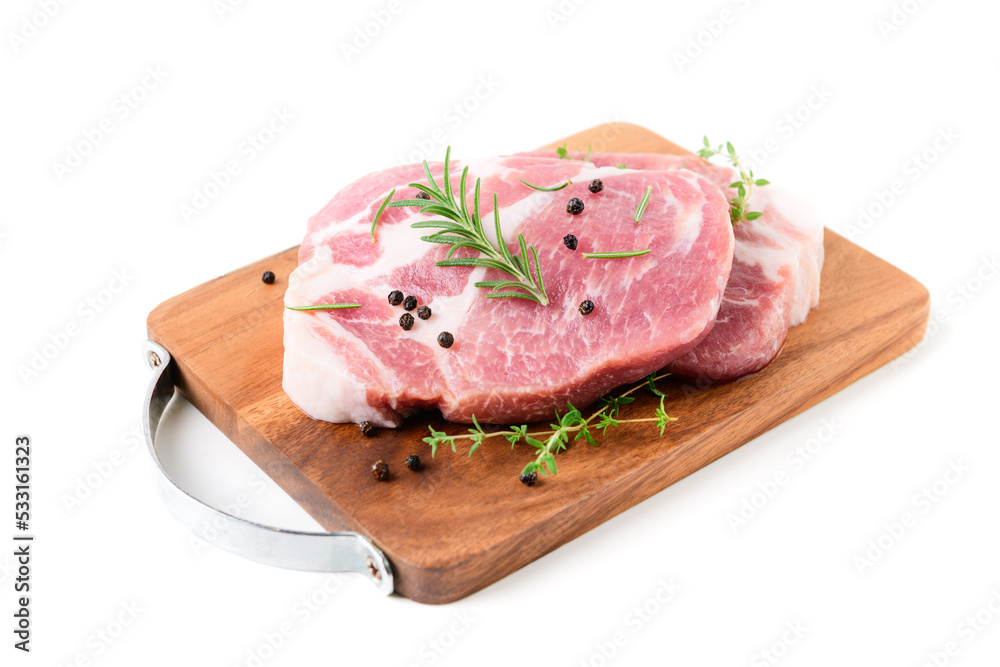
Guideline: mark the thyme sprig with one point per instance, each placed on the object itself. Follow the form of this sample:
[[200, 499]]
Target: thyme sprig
[[462, 227], [548, 443], [737, 205]]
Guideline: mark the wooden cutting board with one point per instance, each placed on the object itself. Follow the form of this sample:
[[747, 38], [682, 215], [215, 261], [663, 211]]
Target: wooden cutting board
[[462, 523]]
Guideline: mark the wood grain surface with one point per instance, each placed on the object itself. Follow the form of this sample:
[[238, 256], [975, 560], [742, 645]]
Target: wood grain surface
[[463, 523]]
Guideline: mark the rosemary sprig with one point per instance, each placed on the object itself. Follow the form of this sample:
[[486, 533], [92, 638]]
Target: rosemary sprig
[[642, 205], [378, 214], [738, 204], [614, 255], [552, 189], [463, 228], [549, 443], [325, 306]]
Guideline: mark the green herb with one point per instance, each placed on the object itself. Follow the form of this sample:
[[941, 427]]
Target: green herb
[[325, 306], [549, 443], [620, 166], [563, 154], [738, 204], [642, 205], [378, 214], [463, 228], [552, 189], [614, 255]]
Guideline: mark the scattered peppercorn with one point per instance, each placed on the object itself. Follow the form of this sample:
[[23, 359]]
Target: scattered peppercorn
[[368, 429], [423, 195], [395, 297], [406, 321], [268, 278], [380, 471], [575, 206], [410, 302], [413, 462], [445, 339], [529, 479], [570, 241], [596, 185], [587, 307], [423, 312]]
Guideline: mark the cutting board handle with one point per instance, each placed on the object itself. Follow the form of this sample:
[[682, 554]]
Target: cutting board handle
[[296, 550]]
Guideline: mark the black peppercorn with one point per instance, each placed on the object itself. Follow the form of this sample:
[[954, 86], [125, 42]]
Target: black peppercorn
[[445, 339], [587, 307], [406, 321], [395, 297], [380, 471], [413, 462], [529, 479], [570, 241], [410, 302], [423, 312], [596, 185], [575, 206], [423, 195], [368, 429], [268, 277]]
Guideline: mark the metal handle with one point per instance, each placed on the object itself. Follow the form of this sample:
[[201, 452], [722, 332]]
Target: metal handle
[[296, 550]]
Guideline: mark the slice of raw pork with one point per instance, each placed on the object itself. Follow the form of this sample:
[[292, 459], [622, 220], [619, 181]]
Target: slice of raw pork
[[512, 360], [775, 278]]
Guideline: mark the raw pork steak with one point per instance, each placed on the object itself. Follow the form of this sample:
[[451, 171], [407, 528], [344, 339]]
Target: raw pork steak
[[775, 278], [512, 360]]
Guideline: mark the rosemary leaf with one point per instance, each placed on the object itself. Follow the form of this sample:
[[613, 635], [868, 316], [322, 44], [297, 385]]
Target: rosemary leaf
[[614, 255], [642, 205], [378, 214], [325, 306], [552, 189]]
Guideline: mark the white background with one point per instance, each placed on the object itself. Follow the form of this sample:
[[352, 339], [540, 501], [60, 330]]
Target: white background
[[106, 545]]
